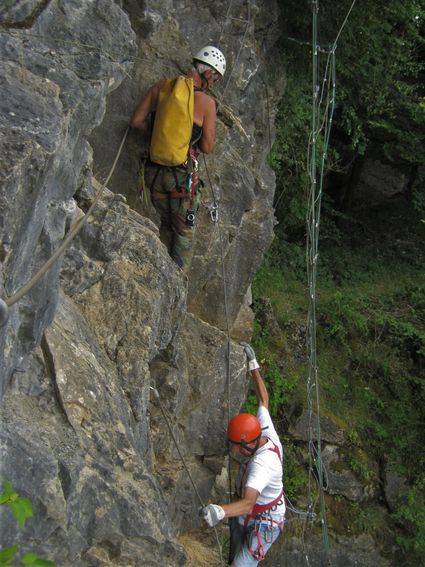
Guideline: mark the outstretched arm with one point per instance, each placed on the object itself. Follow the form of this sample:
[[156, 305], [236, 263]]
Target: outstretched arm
[[259, 386], [260, 389]]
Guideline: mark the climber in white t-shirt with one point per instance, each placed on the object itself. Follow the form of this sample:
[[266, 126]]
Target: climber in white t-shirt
[[257, 516]]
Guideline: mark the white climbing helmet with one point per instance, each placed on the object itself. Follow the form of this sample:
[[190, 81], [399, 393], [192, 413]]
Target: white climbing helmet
[[212, 57]]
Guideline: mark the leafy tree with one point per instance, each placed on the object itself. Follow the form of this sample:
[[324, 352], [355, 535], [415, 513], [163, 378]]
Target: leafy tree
[[380, 102]]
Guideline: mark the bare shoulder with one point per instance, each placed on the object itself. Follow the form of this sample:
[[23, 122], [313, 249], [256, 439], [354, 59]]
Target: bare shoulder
[[205, 100]]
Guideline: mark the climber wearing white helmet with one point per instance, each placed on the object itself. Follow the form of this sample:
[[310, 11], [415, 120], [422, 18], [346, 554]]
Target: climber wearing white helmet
[[177, 209], [212, 57]]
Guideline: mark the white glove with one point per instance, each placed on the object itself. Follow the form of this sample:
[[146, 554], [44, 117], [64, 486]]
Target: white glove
[[212, 514], [252, 362]]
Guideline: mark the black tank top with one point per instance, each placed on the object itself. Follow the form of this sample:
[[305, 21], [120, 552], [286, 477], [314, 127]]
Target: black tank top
[[196, 134]]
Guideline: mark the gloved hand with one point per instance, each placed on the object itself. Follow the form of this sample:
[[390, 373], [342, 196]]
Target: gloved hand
[[212, 514], [252, 362]]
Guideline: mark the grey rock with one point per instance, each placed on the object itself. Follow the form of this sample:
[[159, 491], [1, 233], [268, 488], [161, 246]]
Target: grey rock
[[359, 551], [54, 81], [342, 482], [395, 487], [21, 13], [329, 431], [82, 435], [94, 486], [243, 184]]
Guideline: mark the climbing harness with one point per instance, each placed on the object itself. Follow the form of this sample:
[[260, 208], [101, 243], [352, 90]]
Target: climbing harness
[[182, 189], [260, 515], [9, 301], [257, 551]]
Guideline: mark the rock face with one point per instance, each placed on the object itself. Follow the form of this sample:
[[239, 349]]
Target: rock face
[[236, 177], [53, 94], [115, 354], [82, 434]]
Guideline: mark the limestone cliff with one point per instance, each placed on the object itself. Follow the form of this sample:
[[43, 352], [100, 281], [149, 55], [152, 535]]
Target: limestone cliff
[[81, 434]]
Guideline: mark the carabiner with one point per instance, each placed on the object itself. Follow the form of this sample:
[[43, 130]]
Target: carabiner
[[214, 212]]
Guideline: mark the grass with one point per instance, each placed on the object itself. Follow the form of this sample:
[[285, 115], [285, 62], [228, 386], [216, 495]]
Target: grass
[[370, 352]]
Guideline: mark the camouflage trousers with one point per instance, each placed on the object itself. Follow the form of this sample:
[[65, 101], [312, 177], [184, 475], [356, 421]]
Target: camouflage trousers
[[174, 231]]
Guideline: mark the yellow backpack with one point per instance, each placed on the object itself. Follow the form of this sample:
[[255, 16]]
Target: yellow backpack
[[172, 129]]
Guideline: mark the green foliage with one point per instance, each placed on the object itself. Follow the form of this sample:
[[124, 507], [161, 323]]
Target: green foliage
[[371, 347], [379, 82], [368, 519], [7, 555], [342, 316], [380, 110], [360, 466], [295, 476], [288, 156], [412, 516], [35, 561], [280, 386], [371, 298], [21, 508], [419, 193]]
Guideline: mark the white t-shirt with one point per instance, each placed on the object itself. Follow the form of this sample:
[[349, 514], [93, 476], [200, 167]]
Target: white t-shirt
[[263, 471]]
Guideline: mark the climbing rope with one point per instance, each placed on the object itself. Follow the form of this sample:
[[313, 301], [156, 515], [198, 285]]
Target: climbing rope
[[241, 45], [167, 421], [215, 218], [301, 514], [229, 7], [313, 223], [321, 128], [9, 301]]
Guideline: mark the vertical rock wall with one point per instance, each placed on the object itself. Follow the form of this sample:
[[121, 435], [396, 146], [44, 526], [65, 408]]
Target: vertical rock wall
[[236, 176], [59, 60], [81, 435]]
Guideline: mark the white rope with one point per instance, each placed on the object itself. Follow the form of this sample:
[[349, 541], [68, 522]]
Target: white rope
[[75, 229]]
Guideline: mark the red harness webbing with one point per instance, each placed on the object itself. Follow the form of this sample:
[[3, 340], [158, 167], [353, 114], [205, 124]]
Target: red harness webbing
[[258, 509]]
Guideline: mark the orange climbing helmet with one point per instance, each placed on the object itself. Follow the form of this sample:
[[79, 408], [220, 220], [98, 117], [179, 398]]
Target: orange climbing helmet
[[243, 429]]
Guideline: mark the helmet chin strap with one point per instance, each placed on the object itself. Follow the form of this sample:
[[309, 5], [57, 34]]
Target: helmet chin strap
[[204, 85], [250, 449]]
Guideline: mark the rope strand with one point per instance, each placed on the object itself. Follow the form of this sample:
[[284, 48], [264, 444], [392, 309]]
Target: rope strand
[[226, 312], [321, 128], [9, 301], [161, 407]]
